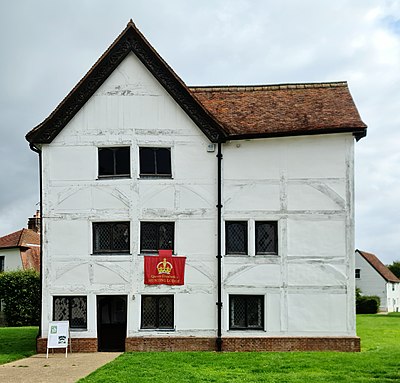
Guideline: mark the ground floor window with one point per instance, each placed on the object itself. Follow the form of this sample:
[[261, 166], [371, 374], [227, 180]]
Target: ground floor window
[[1, 264], [72, 309], [157, 312], [246, 312]]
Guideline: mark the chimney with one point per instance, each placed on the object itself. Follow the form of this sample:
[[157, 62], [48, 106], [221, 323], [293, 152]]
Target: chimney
[[34, 222]]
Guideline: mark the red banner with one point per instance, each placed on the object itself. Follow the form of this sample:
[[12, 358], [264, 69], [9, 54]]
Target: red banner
[[164, 270]]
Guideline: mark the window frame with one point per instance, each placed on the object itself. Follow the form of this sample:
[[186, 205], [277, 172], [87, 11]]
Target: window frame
[[115, 174], [157, 298], [357, 273], [69, 298], [245, 224], [246, 327], [276, 247], [158, 224], [96, 251], [155, 150]]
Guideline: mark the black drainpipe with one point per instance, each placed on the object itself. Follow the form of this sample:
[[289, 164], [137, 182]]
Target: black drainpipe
[[219, 255], [39, 152]]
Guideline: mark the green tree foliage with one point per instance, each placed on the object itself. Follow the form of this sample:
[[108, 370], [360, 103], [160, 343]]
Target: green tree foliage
[[20, 293], [366, 304], [395, 268]]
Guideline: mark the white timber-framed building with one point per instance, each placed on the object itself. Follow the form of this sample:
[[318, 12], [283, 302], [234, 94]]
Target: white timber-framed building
[[254, 185]]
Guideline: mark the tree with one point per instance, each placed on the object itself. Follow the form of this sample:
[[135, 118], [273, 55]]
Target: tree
[[395, 268]]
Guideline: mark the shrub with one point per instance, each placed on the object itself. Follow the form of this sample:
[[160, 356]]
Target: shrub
[[367, 304], [20, 292]]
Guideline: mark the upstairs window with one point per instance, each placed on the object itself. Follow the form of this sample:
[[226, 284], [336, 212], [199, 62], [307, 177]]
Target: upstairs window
[[236, 237], [157, 312], [114, 162], [156, 236], [246, 312], [266, 237], [72, 309], [358, 273], [155, 162], [110, 237]]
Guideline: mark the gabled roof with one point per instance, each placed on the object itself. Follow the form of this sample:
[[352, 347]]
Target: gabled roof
[[282, 110], [20, 238], [130, 40], [224, 112], [374, 261]]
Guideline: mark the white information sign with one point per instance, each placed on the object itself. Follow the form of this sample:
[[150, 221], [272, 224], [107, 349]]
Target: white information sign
[[58, 336]]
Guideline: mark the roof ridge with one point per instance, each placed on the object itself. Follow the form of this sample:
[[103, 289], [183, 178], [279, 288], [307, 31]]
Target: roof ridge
[[247, 88]]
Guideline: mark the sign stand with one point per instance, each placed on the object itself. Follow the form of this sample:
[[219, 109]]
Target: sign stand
[[58, 337]]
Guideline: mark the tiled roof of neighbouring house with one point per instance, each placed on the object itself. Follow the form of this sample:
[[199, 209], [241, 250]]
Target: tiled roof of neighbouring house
[[20, 238], [222, 113], [277, 110], [374, 261]]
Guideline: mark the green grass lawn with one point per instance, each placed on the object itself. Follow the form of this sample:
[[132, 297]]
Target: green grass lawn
[[17, 343], [378, 362]]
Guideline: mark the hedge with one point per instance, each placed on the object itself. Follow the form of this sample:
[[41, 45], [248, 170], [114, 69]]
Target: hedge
[[20, 293], [367, 304]]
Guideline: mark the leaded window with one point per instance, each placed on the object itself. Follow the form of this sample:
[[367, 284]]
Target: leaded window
[[157, 312], [156, 236], [111, 237], [236, 237], [266, 237], [114, 162], [246, 312], [72, 309], [155, 162]]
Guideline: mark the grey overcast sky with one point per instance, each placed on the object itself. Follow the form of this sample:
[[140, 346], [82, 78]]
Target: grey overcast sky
[[48, 45]]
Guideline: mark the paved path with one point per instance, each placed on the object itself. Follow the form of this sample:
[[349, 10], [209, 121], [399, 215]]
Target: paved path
[[56, 369]]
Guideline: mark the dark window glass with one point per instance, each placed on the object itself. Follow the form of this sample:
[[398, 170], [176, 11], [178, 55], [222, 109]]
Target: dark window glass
[[266, 238], [156, 236], [358, 273], [246, 312], [236, 237], [72, 309], [157, 312], [1, 264], [114, 162], [111, 237], [155, 162]]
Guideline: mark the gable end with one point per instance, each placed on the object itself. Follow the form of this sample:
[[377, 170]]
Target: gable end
[[130, 40]]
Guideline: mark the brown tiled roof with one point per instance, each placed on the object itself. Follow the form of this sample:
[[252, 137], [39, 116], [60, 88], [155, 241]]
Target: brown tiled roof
[[374, 261], [225, 112], [278, 110], [20, 238]]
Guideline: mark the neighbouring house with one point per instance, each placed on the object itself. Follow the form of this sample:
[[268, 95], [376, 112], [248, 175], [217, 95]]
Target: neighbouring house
[[254, 185], [374, 278], [20, 251]]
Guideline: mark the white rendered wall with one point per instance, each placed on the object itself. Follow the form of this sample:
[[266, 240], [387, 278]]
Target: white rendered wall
[[12, 259], [132, 109], [306, 184]]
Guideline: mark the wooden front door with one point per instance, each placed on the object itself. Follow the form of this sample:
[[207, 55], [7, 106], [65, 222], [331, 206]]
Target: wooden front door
[[111, 322]]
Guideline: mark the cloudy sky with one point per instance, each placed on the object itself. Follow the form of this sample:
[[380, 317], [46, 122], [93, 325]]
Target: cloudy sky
[[48, 45]]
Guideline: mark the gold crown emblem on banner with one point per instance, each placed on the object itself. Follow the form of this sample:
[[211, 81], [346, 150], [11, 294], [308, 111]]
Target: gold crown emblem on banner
[[164, 267]]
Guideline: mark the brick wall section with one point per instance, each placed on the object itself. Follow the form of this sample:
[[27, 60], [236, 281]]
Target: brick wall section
[[349, 344], [170, 344], [233, 344], [78, 345]]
